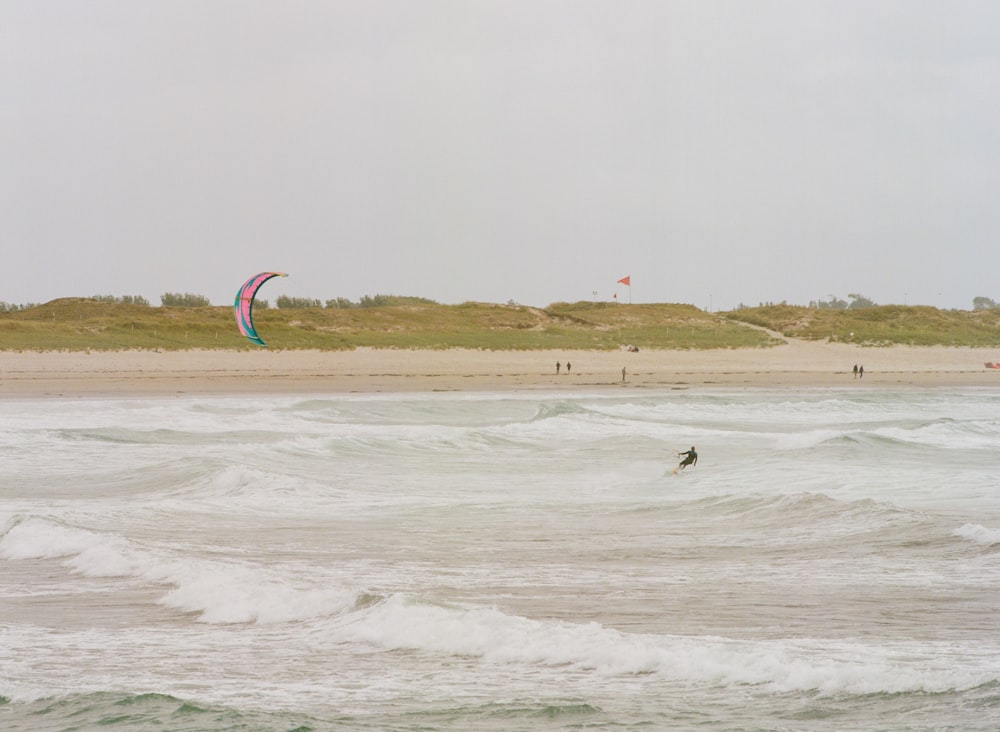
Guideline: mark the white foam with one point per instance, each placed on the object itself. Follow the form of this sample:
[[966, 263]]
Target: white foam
[[827, 667], [36, 538], [978, 534], [221, 592], [227, 593]]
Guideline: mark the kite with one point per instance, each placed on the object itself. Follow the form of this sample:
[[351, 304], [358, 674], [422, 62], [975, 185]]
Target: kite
[[243, 305]]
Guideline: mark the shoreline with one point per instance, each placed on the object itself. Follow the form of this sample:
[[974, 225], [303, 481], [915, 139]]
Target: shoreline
[[796, 364]]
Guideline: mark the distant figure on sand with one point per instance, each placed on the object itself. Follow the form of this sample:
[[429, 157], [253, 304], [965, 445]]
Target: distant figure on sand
[[623, 374], [855, 371], [558, 365], [690, 458], [861, 372], [569, 367]]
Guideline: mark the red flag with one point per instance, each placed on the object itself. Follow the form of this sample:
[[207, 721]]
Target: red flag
[[626, 280]]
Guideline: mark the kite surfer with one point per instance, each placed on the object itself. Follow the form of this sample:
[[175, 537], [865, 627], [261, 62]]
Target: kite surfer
[[690, 458]]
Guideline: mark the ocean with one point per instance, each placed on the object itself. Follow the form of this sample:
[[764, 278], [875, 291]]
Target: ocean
[[502, 561]]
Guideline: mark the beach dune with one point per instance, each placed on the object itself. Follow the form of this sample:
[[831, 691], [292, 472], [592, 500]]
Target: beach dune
[[794, 364]]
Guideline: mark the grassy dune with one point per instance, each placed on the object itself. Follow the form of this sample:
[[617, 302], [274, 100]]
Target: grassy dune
[[915, 325], [81, 324]]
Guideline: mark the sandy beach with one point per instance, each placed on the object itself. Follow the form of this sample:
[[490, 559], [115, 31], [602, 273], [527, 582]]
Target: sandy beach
[[795, 364]]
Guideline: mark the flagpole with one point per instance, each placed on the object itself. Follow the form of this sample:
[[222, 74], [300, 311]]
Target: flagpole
[[627, 281]]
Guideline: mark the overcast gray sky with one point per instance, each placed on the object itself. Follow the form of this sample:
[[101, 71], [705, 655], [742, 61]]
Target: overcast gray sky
[[536, 151]]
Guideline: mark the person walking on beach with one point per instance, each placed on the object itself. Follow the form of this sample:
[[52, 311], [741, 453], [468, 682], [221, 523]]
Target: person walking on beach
[[569, 367], [861, 372], [558, 366], [623, 374], [855, 371]]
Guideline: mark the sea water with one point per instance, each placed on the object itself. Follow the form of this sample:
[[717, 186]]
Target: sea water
[[517, 561]]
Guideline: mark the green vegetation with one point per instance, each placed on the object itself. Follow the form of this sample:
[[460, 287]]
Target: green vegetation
[[378, 301], [79, 324], [880, 325], [6, 307], [127, 299], [99, 324], [284, 301], [835, 303], [187, 300]]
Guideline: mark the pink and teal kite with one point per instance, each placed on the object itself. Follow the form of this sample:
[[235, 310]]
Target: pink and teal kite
[[244, 305]]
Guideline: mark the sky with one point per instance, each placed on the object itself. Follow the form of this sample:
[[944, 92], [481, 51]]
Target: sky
[[535, 151]]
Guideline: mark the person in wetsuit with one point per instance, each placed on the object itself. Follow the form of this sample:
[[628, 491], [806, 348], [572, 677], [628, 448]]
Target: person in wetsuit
[[690, 458]]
